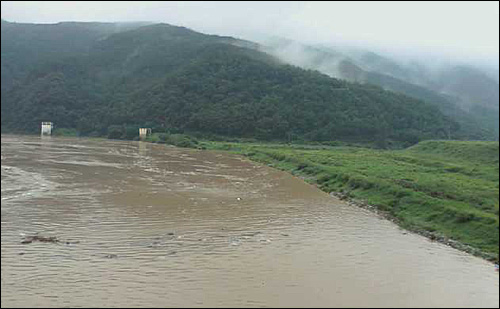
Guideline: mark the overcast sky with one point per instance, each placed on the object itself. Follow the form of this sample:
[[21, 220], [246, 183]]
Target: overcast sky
[[468, 29]]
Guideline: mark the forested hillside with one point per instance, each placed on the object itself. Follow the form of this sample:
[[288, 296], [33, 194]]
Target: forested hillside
[[92, 77], [461, 92]]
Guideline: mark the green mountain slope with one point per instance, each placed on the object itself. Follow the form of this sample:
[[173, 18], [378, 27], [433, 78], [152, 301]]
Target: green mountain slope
[[172, 78], [463, 93]]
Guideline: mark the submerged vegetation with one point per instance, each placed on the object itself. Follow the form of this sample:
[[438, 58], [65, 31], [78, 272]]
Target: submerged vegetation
[[179, 140], [446, 190]]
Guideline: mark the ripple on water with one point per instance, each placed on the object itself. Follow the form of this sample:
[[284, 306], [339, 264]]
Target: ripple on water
[[145, 225]]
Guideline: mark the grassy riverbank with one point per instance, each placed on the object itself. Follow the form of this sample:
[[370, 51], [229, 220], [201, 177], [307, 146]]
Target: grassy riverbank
[[446, 190]]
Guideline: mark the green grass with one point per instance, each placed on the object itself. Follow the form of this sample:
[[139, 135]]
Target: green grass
[[65, 132], [179, 140], [448, 188]]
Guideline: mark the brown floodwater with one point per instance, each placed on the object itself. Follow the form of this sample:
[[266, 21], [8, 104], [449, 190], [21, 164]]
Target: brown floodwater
[[145, 225]]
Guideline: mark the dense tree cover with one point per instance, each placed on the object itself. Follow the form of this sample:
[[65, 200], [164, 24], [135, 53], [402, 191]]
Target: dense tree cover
[[464, 93], [477, 122], [174, 79]]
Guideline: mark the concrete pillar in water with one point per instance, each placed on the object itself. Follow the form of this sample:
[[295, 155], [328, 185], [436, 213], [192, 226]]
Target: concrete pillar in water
[[144, 132], [46, 128]]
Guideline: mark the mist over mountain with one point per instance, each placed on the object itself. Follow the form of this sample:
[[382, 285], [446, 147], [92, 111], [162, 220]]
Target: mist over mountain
[[466, 92], [96, 76]]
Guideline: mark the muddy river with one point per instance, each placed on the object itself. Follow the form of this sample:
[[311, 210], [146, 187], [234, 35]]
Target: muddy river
[[136, 224]]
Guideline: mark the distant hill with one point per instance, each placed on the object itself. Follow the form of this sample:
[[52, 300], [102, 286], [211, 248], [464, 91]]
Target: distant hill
[[91, 76], [464, 93]]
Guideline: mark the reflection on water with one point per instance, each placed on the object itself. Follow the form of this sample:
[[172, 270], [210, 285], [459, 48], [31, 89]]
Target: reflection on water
[[148, 225]]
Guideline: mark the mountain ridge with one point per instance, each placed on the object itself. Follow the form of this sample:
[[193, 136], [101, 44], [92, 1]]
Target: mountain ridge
[[174, 78], [458, 89]]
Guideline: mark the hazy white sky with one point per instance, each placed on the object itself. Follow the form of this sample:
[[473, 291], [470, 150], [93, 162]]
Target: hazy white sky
[[458, 28]]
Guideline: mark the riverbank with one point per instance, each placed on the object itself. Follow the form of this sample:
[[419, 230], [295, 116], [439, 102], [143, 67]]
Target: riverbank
[[162, 222], [444, 190]]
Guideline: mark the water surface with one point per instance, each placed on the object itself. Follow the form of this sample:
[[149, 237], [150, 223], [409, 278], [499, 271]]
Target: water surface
[[144, 225]]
